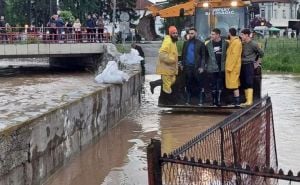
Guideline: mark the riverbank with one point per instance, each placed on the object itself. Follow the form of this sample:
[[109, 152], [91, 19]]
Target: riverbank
[[281, 55]]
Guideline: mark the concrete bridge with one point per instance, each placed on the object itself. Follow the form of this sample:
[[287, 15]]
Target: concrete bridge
[[50, 50], [63, 55]]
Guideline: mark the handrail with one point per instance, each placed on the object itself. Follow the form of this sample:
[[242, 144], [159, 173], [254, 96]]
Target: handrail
[[29, 35], [233, 117]]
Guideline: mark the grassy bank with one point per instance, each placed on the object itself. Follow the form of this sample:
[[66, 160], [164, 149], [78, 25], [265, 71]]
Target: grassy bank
[[281, 55]]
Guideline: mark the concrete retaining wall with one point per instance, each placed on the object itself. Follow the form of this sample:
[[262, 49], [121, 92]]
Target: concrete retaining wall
[[50, 50], [32, 151]]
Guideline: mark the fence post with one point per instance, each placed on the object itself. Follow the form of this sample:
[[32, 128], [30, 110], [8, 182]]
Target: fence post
[[222, 153], [154, 168], [268, 137]]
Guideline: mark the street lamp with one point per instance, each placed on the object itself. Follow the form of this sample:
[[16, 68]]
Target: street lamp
[[114, 20]]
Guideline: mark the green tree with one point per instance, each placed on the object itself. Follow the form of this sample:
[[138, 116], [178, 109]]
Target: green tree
[[37, 12], [2, 7], [67, 16]]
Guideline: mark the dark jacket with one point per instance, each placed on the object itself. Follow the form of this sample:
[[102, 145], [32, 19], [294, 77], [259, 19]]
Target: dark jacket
[[212, 64], [2, 26], [90, 23], [199, 53], [140, 50]]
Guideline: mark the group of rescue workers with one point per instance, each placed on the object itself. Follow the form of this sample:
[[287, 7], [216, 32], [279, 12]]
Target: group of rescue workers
[[230, 62]]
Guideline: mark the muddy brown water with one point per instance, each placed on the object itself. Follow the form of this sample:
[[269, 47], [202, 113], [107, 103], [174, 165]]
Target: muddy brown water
[[119, 157]]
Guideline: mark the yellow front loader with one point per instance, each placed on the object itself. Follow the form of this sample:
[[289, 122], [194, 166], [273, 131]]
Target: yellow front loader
[[207, 15]]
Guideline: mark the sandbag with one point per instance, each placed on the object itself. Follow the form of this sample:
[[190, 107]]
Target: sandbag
[[112, 75], [131, 58]]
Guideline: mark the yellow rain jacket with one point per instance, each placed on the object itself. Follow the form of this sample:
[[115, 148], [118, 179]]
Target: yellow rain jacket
[[168, 58], [233, 63], [167, 64]]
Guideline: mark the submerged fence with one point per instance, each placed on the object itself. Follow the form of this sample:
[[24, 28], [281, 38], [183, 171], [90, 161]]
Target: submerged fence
[[239, 150]]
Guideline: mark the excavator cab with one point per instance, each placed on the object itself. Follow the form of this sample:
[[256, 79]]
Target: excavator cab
[[223, 18]]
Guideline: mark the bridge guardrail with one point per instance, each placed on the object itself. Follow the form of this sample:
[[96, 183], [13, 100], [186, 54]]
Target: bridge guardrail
[[34, 35], [244, 140]]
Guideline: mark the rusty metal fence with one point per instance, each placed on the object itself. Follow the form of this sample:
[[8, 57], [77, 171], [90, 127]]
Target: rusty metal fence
[[38, 35], [239, 150]]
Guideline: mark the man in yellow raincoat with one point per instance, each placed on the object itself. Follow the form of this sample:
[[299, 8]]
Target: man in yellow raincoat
[[167, 65], [233, 65]]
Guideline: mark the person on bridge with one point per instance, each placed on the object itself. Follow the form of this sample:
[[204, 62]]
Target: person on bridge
[[250, 54], [233, 65], [141, 53], [3, 36], [167, 65], [216, 51], [90, 26], [77, 28], [193, 61]]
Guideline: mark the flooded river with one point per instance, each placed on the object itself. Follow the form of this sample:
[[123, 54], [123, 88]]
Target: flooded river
[[119, 157]]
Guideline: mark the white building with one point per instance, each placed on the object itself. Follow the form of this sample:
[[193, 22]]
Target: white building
[[278, 12]]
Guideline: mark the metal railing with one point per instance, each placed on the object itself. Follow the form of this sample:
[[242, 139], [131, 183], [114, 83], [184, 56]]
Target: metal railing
[[244, 139], [36, 35], [216, 142]]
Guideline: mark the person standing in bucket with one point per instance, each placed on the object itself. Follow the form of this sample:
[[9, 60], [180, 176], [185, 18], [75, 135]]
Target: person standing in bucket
[[193, 61], [233, 65], [251, 52], [167, 65], [216, 51]]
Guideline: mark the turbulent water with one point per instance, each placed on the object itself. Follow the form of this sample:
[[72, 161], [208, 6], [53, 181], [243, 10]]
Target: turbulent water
[[120, 157]]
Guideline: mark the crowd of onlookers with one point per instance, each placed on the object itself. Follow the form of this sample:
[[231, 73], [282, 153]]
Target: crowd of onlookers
[[93, 30], [58, 30]]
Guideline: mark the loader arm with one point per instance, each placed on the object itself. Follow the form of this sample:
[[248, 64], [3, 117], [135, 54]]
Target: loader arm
[[174, 11]]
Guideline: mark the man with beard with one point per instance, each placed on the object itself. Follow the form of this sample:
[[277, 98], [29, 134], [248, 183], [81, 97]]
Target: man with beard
[[193, 60], [167, 65], [216, 51], [233, 65], [251, 53]]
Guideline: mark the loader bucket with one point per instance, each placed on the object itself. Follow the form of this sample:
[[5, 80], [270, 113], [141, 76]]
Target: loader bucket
[[146, 27]]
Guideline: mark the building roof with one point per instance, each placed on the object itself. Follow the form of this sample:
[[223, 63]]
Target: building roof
[[272, 1], [142, 4]]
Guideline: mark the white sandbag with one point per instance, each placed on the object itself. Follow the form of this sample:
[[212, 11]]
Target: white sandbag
[[112, 75], [131, 58]]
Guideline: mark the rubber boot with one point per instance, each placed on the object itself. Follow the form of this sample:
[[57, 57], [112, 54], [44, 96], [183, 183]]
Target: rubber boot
[[201, 97], [214, 98], [249, 97], [218, 103], [236, 102], [188, 98], [166, 99], [154, 84]]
